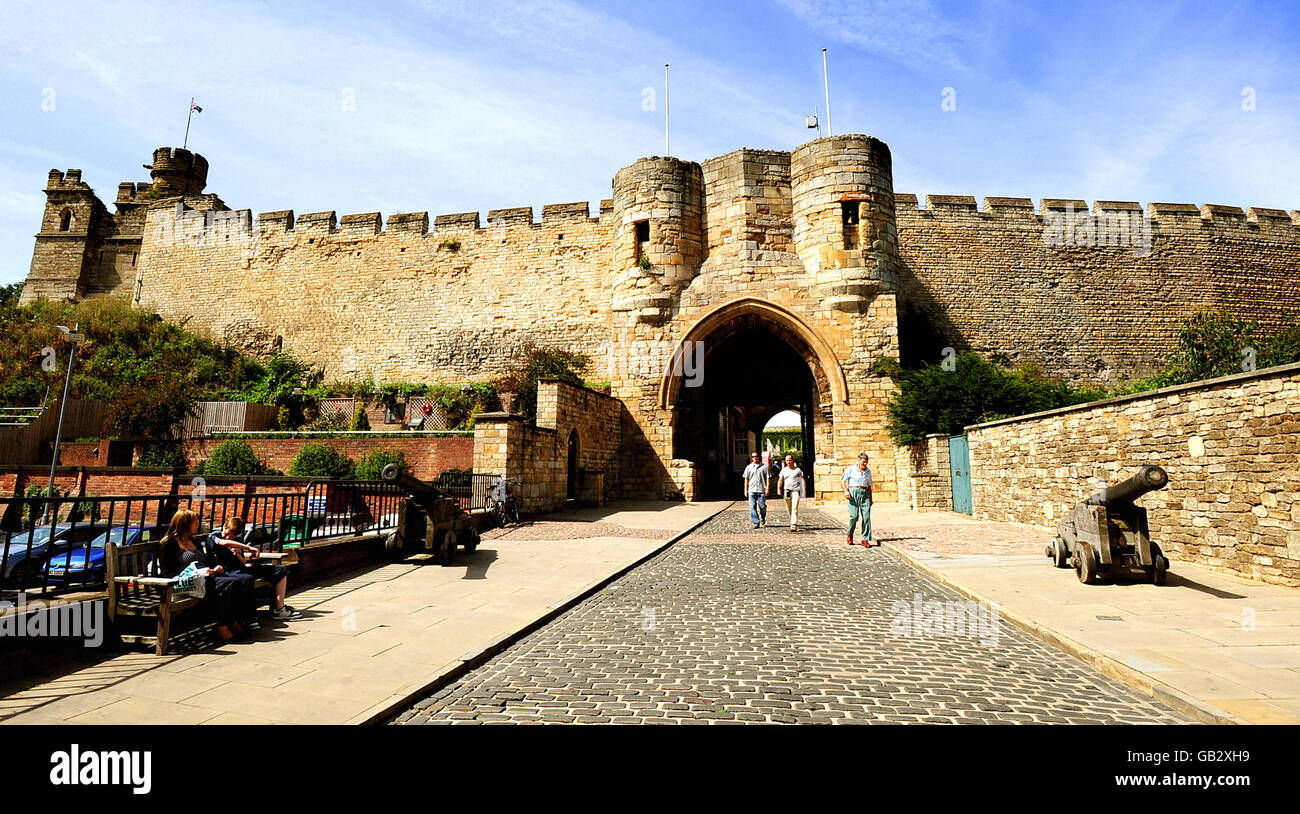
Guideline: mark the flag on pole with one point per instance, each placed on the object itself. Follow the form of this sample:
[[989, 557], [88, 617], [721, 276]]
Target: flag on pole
[[195, 107]]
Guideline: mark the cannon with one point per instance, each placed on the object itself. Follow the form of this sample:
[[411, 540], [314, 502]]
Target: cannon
[[430, 519], [1108, 532]]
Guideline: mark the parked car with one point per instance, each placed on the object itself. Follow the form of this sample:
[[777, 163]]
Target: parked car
[[22, 566], [87, 566]]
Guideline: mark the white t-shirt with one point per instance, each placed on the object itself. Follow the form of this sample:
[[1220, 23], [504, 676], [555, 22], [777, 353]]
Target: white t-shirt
[[792, 481]]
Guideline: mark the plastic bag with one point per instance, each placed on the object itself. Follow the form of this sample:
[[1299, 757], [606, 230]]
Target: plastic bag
[[193, 581]]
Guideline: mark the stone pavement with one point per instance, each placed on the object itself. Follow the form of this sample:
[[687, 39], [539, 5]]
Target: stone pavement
[[368, 639], [1226, 647], [736, 625]]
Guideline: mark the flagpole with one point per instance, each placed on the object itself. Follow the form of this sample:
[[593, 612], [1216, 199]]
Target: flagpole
[[827, 83], [667, 152], [191, 115]]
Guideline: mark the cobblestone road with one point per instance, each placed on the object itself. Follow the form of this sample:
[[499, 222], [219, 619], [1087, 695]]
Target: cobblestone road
[[736, 625]]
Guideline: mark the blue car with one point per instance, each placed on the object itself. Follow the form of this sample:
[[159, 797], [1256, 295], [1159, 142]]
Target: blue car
[[22, 566], [86, 566]]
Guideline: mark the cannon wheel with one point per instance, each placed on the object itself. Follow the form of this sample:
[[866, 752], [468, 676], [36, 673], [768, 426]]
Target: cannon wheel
[[393, 542], [446, 546], [471, 540], [1059, 553], [1158, 571], [1085, 563]]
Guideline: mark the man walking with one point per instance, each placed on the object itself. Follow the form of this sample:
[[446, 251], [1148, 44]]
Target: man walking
[[792, 489], [857, 491], [756, 488]]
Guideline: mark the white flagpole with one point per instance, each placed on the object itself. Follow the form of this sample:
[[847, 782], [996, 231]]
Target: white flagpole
[[667, 152], [827, 83]]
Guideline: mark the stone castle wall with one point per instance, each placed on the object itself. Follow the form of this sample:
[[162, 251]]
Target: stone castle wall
[[1231, 447], [813, 246], [988, 280]]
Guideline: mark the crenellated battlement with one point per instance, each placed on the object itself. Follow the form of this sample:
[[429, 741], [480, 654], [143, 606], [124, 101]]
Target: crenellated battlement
[[1164, 216], [66, 181]]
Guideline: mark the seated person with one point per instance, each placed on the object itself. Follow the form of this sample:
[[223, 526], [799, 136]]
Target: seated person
[[231, 593], [230, 535]]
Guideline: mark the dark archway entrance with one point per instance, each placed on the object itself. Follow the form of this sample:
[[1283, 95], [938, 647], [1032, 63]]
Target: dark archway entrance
[[750, 374], [571, 487]]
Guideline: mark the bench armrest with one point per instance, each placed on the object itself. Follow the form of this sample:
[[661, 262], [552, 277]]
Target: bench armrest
[[157, 582]]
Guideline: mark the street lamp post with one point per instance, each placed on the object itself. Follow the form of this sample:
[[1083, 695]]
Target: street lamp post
[[63, 403]]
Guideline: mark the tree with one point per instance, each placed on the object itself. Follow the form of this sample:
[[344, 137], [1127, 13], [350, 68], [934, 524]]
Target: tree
[[360, 421]]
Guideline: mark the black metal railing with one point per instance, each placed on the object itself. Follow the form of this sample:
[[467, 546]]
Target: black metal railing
[[471, 490], [58, 545]]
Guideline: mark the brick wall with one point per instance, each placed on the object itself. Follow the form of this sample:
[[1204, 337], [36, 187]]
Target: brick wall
[[426, 456], [1231, 447]]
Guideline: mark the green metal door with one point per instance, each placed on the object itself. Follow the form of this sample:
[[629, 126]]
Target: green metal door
[[959, 463]]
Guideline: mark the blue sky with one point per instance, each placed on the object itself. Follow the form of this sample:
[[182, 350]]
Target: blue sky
[[484, 104]]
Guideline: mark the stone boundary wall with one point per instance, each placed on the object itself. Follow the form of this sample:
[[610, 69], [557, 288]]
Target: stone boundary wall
[[924, 475], [1231, 447], [537, 454]]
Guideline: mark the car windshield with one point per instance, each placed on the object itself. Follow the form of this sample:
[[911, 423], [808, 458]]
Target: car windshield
[[38, 535], [115, 534]]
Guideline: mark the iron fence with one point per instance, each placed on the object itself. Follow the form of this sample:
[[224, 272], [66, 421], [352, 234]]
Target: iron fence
[[50, 546], [471, 490]]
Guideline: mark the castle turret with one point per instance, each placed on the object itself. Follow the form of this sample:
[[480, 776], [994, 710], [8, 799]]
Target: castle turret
[[177, 171], [842, 190], [658, 242]]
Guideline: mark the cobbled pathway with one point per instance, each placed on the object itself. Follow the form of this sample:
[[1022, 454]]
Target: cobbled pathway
[[734, 625]]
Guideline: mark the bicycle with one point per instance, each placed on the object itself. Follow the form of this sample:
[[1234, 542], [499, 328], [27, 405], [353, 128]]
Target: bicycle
[[505, 507]]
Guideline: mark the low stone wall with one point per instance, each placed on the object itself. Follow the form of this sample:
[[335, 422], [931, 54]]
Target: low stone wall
[[924, 475], [538, 455], [1231, 447]]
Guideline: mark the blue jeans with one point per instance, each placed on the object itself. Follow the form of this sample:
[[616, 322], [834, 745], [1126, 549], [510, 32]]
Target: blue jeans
[[860, 506], [757, 507]]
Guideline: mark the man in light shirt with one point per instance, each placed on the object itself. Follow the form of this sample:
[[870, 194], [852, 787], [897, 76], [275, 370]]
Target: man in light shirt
[[756, 489], [857, 491], [792, 489]]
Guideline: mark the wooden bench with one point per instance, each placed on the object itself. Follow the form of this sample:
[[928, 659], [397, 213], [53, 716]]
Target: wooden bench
[[136, 591]]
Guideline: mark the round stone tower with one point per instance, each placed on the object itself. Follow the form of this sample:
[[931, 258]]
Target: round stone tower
[[842, 193], [658, 243], [178, 172]]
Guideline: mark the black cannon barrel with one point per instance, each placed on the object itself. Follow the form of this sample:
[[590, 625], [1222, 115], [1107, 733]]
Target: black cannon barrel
[[398, 476], [1148, 479]]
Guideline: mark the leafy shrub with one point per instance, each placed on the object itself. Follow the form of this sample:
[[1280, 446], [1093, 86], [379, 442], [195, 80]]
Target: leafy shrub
[[232, 457], [161, 454], [332, 421], [360, 421], [321, 461], [371, 465], [537, 363], [1213, 344], [933, 399]]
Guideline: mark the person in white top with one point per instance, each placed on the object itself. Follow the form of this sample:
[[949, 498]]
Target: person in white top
[[792, 488]]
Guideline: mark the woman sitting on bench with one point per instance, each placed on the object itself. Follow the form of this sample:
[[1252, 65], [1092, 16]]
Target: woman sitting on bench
[[231, 536], [231, 594]]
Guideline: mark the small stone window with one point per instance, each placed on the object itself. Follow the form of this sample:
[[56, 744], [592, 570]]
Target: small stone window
[[65, 220], [849, 223], [642, 238]]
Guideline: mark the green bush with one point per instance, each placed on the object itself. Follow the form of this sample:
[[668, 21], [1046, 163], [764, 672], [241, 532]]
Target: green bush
[[161, 454], [321, 461], [539, 363], [371, 465], [934, 399], [1213, 344], [232, 458], [360, 421]]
